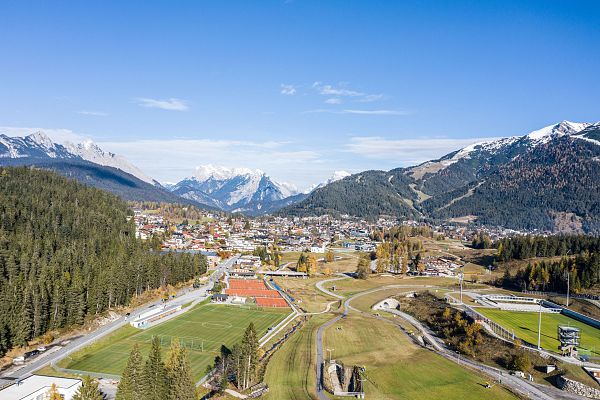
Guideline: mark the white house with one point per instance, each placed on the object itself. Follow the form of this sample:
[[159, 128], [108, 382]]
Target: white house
[[36, 387]]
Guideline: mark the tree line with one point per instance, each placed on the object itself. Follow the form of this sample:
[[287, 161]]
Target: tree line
[[69, 252], [581, 272], [529, 246]]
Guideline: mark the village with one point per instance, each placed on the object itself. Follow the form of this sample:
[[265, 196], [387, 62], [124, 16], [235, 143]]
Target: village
[[218, 236]]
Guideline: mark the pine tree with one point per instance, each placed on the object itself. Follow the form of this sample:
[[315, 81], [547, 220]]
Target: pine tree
[[155, 377], [25, 331], [249, 356], [131, 386], [179, 377], [88, 390]]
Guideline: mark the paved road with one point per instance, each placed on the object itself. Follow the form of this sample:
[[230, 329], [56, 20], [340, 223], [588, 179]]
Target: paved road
[[87, 339], [319, 338], [526, 388]]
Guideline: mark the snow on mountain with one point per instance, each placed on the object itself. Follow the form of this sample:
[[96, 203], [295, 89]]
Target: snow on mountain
[[36, 145], [491, 148], [563, 128], [233, 189], [39, 145], [336, 176], [216, 172], [91, 152]]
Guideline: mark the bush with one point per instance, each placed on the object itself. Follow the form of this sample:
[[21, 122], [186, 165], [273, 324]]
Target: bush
[[520, 362]]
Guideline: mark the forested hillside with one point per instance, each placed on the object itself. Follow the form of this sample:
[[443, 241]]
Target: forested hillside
[[555, 186], [68, 252], [114, 180], [368, 194], [547, 180]]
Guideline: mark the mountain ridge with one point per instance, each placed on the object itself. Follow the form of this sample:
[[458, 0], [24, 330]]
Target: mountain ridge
[[450, 186]]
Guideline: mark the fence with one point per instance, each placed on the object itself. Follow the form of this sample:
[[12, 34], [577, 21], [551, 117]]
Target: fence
[[573, 296], [84, 373], [575, 315], [499, 330], [496, 328]]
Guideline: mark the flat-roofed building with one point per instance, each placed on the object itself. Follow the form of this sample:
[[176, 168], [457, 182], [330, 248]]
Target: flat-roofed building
[[36, 387]]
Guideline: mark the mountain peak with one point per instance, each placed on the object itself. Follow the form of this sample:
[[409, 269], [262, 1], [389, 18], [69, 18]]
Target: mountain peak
[[217, 172], [562, 128], [41, 138]]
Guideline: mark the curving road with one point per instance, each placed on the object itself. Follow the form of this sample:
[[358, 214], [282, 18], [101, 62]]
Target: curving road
[[519, 385]]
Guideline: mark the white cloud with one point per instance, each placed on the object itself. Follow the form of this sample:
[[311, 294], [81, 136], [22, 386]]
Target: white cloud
[[406, 151], [288, 90], [342, 90], [333, 100], [171, 104], [93, 113], [329, 90]]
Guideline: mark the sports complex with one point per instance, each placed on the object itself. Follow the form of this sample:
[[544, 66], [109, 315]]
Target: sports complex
[[202, 330], [519, 317]]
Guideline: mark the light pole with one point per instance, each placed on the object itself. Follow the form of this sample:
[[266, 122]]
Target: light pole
[[540, 327], [568, 285], [461, 276]]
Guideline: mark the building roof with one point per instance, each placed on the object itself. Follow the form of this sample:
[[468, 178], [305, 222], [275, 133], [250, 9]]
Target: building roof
[[25, 387]]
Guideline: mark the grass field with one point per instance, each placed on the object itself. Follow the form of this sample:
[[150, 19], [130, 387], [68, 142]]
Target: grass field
[[397, 369], [202, 330], [291, 371], [525, 325], [304, 291]]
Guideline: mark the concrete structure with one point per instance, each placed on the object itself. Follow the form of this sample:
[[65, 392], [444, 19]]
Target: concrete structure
[[155, 314], [387, 304], [36, 387]]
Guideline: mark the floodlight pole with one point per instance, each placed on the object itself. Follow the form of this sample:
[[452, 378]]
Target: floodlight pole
[[568, 285], [540, 327], [461, 278]]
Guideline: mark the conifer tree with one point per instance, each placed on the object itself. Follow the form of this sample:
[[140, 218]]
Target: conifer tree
[[155, 377], [249, 357], [132, 381], [88, 390], [179, 377]]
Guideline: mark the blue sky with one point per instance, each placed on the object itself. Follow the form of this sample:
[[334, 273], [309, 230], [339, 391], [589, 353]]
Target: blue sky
[[296, 88]]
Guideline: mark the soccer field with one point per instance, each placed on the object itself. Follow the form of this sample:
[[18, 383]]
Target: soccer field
[[202, 330], [525, 325]]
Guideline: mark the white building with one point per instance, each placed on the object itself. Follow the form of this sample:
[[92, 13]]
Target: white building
[[36, 387]]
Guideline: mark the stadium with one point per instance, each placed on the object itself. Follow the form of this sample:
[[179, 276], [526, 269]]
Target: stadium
[[516, 317]]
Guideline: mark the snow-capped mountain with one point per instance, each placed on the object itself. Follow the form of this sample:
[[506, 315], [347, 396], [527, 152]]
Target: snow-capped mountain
[[233, 189], [39, 146], [87, 163], [91, 152], [469, 160], [336, 176], [547, 179], [36, 145]]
